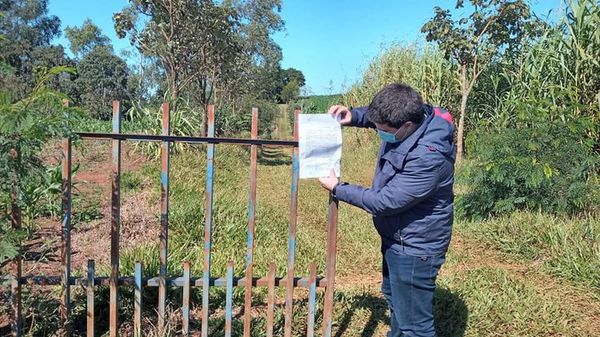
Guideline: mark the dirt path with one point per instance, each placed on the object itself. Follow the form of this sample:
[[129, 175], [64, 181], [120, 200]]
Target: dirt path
[[90, 236]]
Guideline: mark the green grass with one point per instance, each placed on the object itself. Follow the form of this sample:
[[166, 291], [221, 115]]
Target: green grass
[[563, 246]]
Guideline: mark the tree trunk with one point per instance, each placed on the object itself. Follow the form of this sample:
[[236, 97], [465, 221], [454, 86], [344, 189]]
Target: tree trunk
[[174, 96], [463, 110]]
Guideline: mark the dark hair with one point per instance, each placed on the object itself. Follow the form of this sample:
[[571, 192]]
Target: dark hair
[[395, 105]]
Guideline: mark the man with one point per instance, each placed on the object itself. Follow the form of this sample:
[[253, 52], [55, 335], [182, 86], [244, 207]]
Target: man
[[411, 199]]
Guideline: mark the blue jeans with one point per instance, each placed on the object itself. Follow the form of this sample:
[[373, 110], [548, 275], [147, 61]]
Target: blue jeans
[[408, 287]]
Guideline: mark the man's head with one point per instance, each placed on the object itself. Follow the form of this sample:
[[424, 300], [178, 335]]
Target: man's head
[[396, 109]]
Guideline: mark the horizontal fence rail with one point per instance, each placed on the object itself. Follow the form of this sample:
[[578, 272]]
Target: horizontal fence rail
[[188, 139], [186, 282]]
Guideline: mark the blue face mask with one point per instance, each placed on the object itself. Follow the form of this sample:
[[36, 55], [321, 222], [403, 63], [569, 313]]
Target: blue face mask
[[388, 137]]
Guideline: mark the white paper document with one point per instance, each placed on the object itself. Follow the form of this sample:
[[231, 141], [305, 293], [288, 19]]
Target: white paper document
[[320, 141]]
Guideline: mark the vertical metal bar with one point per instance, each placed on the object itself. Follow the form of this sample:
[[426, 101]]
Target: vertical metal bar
[[137, 304], [251, 218], [15, 286], [330, 265], [208, 216], [90, 298], [185, 308], [15, 296], [115, 222], [312, 286], [164, 222], [65, 251], [229, 299], [271, 299], [289, 294]]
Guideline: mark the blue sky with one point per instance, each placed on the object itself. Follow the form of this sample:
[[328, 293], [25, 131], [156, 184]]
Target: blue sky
[[330, 41]]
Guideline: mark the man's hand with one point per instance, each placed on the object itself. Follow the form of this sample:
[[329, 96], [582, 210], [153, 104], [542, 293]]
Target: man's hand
[[329, 183], [341, 113]]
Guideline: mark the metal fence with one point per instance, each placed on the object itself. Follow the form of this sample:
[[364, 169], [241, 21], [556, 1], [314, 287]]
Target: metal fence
[[186, 281]]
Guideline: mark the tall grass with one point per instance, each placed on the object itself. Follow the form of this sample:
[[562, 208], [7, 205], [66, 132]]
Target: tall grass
[[422, 67], [555, 79]]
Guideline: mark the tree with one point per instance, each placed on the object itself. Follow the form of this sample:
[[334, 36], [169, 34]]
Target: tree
[[290, 92], [211, 51], [85, 39], [494, 28], [145, 83], [190, 38], [293, 80], [27, 31], [295, 75], [102, 77]]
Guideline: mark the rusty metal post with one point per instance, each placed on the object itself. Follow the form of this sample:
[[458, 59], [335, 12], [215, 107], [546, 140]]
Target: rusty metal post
[[115, 222], [90, 299], [251, 231], [164, 221], [289, 295], [137, 301], [271, 299], [15, 285], [65, 251], [312, 287], [208, 216], [229, 299], [330, 265], [185, 308]]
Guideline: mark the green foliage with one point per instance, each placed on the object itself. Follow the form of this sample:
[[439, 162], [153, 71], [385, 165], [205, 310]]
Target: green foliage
[[493, 29], [322, 102], [554, 80], [312, 104], [290, 91], [544, 167], [235, 119], [494, 26], [27, 31], [423, 68], [102, 79], [185, 121], [83, 40], [42, 196], [10, 241], [292, 80], [207, 47], [25, 127]]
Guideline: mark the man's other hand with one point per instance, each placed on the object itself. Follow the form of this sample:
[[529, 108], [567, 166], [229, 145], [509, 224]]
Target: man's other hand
[[341, 113], [329, 183]]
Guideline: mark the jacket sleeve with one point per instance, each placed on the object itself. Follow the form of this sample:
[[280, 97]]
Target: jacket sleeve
[[416, 182], [359, 118]]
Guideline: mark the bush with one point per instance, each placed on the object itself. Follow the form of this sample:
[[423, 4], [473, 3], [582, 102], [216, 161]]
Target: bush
[[236, 118], [543, 168], [26, 125]]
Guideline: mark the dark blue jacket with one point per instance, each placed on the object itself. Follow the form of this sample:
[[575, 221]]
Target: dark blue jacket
[[411, 198]]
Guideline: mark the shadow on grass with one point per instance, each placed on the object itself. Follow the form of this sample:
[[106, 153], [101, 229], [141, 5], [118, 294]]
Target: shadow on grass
[[41, 313], [273, 157], [450, 311]]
